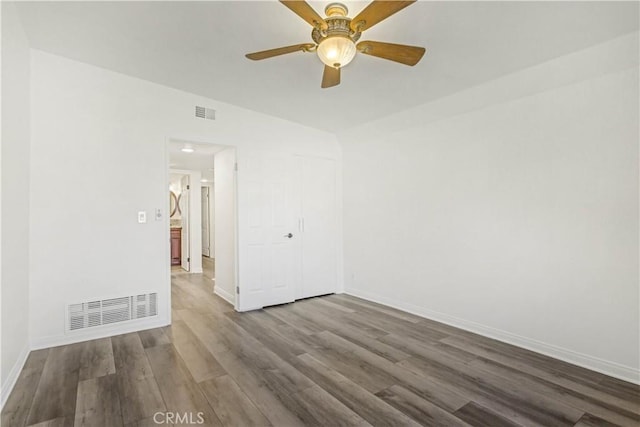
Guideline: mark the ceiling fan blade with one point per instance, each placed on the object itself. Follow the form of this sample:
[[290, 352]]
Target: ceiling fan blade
[[330, 77], [377, 11], [264, 54], [408, 55], [306, 12]]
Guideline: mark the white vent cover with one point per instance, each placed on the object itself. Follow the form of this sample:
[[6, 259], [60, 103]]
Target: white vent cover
[[205, 113], [113, 310]]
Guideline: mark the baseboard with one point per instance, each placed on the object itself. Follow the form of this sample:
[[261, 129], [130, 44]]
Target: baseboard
[[228, 297], [98, 332], [12, 378], [606, 367]]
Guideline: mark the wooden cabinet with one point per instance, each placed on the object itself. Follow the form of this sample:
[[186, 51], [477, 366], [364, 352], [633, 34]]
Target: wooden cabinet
[[176, 246]]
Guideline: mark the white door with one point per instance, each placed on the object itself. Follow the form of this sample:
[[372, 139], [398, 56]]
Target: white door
[[268, 233], [206, 242], [317, 247], [184, 212]]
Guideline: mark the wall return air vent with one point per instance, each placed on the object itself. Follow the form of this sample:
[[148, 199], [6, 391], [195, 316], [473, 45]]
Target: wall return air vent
[[107, 311], [205, 113]]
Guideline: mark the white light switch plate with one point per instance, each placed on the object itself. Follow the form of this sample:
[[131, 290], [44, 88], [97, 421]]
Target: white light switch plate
[[142, 217], [158, 214]]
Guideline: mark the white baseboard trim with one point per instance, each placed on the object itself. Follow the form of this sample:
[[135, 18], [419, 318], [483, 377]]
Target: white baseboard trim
[[98, 332], [228, 297], [12, 378], [606, 367]]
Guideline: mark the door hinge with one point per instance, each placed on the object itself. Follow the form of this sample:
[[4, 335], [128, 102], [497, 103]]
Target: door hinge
[[188, 259], [187, 187], [238, 290]]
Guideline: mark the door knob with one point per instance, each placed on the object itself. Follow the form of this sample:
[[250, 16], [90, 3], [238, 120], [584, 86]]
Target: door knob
[[288, 235]]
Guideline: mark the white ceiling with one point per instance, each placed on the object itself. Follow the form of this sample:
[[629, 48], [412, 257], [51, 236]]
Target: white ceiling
[[200, 160], [199, 47]]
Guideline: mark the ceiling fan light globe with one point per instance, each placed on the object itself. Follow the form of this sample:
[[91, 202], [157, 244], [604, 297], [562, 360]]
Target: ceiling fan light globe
[[336, 51]]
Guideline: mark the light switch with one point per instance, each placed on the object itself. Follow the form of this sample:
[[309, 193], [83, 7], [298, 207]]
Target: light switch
[[142, 217], [158, 214]]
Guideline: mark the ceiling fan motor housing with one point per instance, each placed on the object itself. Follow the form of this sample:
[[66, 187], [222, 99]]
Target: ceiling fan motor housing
[[338, 25]]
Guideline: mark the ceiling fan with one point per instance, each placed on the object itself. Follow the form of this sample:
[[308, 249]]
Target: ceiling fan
[[336, 35]]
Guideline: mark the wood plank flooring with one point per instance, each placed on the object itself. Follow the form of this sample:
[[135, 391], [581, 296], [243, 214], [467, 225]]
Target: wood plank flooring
[[327, 361]]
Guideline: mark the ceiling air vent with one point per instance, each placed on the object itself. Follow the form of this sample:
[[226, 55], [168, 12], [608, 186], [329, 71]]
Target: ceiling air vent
[[104, 312], [205, 113]]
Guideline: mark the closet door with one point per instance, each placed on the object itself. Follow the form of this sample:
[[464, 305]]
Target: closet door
[[268, 230], [318, 225]]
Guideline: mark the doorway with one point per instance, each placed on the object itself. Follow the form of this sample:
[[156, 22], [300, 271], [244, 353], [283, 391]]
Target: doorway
[[202, 223], [208, 228], [179, 188]]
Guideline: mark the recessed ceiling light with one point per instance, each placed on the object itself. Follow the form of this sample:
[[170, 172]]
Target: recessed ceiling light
[[204, 180], [187, 148]]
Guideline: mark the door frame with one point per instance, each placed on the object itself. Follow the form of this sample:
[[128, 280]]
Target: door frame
[[206, 189], [185, 231], [167, 220]]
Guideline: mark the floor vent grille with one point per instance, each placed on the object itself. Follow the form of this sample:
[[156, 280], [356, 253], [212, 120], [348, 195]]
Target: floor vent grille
[[104, 312]]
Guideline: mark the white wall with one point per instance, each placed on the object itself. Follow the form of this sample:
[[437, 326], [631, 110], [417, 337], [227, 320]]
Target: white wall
[[90, 125], [15, 199], [195, 221], [225, 221], [518, 220]]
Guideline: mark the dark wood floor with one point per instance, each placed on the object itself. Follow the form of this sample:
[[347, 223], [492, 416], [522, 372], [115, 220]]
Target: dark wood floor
[[334, 360]]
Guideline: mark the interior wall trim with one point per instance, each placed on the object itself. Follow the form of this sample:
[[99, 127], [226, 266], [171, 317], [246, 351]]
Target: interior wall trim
[[606, 367], [12, 378], [99, 332], [224, 295]]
